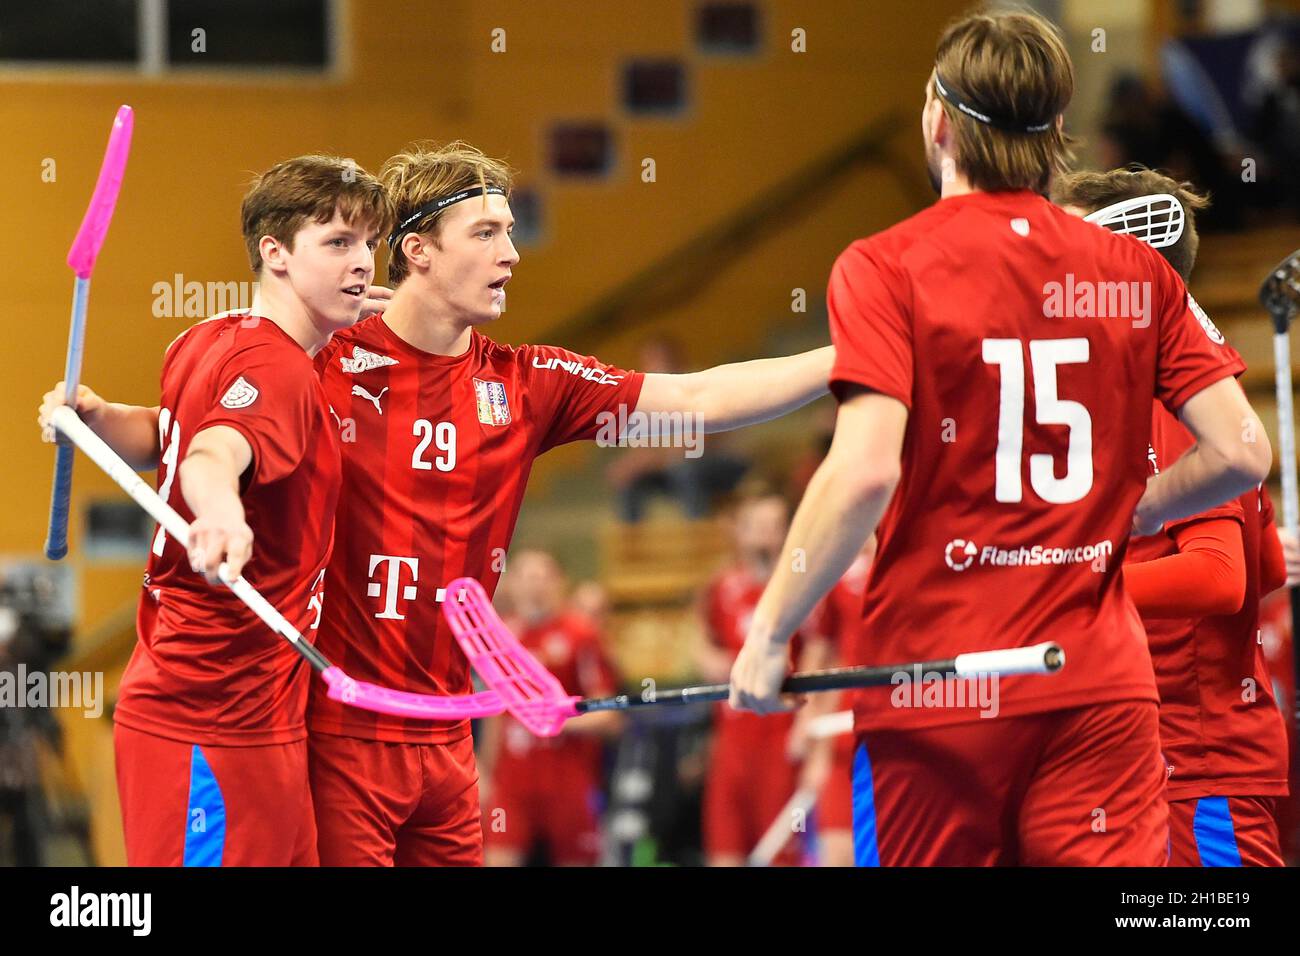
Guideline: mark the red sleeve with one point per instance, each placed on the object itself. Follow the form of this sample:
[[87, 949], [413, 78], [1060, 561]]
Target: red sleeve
[[1207, 578], [870, 327], [577, 394], [1272, 562], [1193, 354], [269, 395]]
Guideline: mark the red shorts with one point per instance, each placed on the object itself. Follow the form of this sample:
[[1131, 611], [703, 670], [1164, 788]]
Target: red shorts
[[748, 785], [395, 804], [563, 812], [1077, 787], [835, 805], [201, 805], [1224, 831]]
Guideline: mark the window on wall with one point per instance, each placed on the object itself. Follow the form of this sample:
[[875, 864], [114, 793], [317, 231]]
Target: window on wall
[[526, 207], [654, 86], [579, 149], [248, 33], [727, 27], [154, 36], [74, 31]]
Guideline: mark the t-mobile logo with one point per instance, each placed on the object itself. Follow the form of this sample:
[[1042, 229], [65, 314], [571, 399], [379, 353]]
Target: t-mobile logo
[[389, 588]]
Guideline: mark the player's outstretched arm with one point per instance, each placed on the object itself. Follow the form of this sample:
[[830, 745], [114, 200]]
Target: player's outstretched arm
[[1231, 455], [210, 473], [741, 393], [840, 509], [130, 430]]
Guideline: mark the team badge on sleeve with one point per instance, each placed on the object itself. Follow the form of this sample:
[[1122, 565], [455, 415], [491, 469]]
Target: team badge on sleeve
[[1211, 330], [240, 395], [493, 409]]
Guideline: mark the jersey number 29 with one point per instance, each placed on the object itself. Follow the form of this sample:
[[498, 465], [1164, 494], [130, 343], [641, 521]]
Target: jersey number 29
[[443, 438]]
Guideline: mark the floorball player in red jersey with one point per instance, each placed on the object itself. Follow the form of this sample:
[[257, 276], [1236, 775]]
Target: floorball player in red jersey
[[547, 790], [440, 426], [1197, 585], [209, 732], [995, 427], [752, 771]]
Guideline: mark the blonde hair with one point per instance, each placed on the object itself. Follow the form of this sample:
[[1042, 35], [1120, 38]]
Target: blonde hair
[[312, 188], [1091, 191], [1015, 66], [426, 171]]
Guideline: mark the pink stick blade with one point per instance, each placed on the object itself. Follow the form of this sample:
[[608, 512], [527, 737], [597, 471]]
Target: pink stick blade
[[400, 703], [90, 237], [532, 694]]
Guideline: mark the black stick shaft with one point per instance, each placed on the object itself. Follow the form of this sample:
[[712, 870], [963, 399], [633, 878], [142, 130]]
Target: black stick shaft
[[836, 678]]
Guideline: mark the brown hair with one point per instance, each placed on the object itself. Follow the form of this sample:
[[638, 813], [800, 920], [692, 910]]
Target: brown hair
[[1091, 191], [312, 188], [426, 171], [1015, 66]]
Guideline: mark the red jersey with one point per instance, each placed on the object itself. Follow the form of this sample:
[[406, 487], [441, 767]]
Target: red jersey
[[436, 455], [570, 648], [729, 604], [1027, 345], [1220, 728], [206, 669]]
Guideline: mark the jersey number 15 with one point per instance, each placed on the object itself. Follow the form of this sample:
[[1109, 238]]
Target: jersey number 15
[[1044, 357]]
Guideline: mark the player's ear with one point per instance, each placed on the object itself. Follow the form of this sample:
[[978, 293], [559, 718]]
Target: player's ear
[[415, 248], [273, 254], [940, 128]]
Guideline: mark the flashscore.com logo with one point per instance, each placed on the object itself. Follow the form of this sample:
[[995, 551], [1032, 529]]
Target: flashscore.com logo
[[960, 554]]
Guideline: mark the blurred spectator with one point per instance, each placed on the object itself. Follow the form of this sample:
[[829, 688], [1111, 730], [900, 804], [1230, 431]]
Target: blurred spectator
[[640, 473], [1143, 126], [32, 634], [592, 602], [546, 793], [753, 768], [1275, 119]]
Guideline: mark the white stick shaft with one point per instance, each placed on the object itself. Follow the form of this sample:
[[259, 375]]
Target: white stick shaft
[[1017, 660], [68, 422], [782, 828], [1286, 430], [830, 725]]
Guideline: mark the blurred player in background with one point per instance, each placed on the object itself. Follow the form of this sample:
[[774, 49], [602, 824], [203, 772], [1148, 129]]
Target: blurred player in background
[[548, 789], [440, 427], [752, 771], [1197, 584], [828, 768], [982, 428], [209, 728]]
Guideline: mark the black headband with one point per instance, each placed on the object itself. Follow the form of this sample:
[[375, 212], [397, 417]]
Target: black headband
[[436, 206], [988, 119]]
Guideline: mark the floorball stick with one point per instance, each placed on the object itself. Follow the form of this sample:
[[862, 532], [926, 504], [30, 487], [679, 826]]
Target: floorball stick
[[81, 259]]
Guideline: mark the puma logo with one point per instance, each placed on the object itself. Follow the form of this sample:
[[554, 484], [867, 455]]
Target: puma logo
[[374, 399]]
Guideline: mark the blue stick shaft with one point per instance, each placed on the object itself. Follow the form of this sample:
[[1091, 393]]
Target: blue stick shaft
[[56, 541]]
